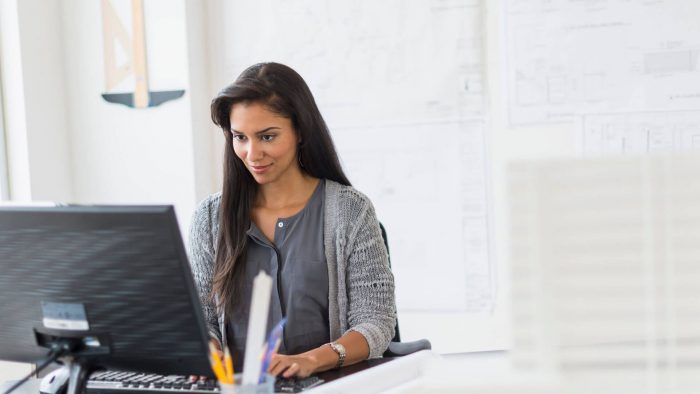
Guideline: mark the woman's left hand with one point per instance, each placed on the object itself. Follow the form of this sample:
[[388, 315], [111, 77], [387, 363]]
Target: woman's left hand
[[301, 365]]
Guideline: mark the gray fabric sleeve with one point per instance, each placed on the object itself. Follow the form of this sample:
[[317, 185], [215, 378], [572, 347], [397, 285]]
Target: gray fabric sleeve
[[370, 285], [201, 256]]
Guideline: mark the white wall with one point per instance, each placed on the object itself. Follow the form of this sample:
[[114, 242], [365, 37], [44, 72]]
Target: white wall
[[13, 371], [67, 144], [205, 138], [121, 154], [34, 96]]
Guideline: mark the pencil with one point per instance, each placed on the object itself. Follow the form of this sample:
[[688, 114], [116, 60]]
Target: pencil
[[229, 365], [216, 365]]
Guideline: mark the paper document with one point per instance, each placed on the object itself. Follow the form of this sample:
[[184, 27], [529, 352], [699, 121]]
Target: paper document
[[257, 321]]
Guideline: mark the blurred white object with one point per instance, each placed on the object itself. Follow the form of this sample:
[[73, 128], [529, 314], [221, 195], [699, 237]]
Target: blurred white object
[[605, 270]]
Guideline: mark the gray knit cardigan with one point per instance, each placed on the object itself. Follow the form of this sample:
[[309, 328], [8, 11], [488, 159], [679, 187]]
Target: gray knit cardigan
[[360, 282]]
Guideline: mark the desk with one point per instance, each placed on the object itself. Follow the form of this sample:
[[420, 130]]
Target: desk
[[384, 375], [427, 372], [29, 387], [335, 374]]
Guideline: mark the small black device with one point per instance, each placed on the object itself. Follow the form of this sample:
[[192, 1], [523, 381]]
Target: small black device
[[99, 287]]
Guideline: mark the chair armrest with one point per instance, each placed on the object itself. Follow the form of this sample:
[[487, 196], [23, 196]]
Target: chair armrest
[[398, 349]]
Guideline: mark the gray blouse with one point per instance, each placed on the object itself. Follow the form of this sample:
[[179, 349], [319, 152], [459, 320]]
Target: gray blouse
[[297, 264], [360, 283]]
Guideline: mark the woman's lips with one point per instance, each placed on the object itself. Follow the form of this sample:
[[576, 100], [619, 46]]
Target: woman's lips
[[260, 169]]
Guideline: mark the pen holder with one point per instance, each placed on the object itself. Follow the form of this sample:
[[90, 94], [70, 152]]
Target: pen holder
[[266, 387]]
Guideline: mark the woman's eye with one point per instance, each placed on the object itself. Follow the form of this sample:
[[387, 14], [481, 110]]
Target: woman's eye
[[268, 137], [238, 137]]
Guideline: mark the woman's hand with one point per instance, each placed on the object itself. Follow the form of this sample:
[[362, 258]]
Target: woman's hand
[[321, 358], [300, 365]]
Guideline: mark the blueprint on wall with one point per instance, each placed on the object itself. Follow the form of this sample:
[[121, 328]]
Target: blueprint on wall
[[390, 60], [400, 85], [640, 132], [431, 197], [566, 57]]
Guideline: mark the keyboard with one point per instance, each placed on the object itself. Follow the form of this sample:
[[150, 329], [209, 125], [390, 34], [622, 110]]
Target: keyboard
[[118, 382]]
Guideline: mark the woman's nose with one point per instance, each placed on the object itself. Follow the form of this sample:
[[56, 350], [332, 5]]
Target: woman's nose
[[255, 152]]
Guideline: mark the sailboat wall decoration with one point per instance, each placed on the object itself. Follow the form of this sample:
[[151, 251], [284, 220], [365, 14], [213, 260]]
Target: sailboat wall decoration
[[125, 59]]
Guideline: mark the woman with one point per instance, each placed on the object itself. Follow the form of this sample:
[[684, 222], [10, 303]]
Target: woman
[[287, 208]]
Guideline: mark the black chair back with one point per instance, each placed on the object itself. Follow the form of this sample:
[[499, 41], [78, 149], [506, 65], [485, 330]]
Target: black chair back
[[396, 347], [397, 336]]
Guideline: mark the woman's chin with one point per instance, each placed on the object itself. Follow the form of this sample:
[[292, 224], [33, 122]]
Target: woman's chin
[[262, 179]]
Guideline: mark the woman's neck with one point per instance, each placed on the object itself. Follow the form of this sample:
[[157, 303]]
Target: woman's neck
[[290, 191]]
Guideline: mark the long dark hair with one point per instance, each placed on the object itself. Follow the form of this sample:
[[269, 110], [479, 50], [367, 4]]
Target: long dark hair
[[285, 93]]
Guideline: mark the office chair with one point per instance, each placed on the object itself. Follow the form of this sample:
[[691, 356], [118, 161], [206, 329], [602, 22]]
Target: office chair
[[396, 347]]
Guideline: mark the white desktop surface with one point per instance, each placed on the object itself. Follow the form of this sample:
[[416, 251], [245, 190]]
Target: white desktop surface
[[427, 372], [29, 387]]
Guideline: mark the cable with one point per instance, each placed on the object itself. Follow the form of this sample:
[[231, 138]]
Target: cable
[[57, 351]]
